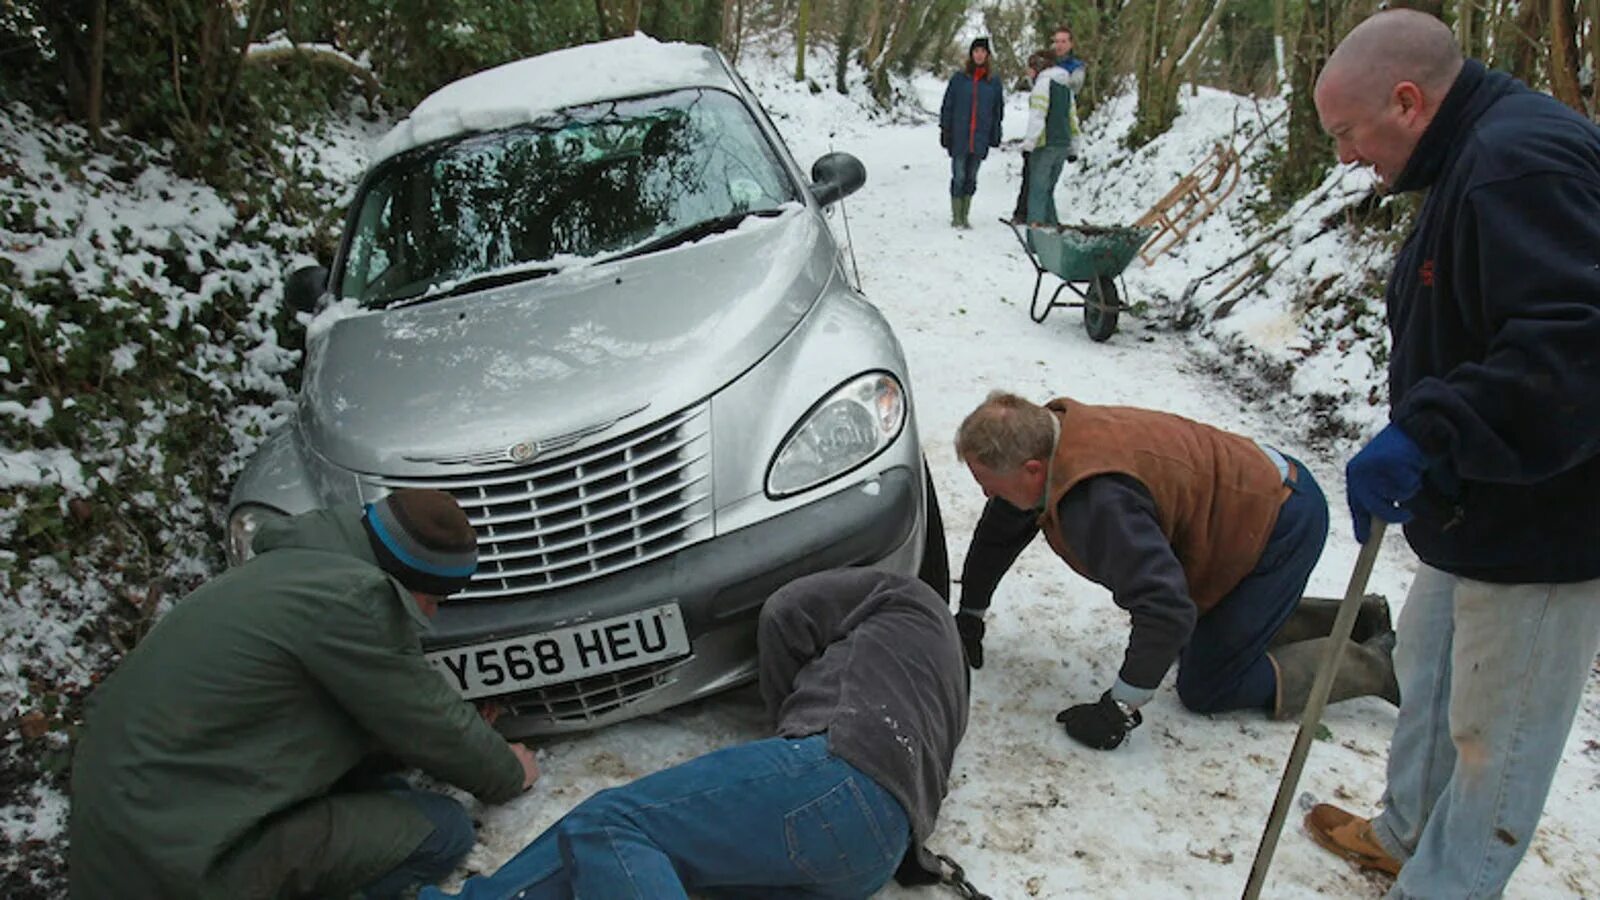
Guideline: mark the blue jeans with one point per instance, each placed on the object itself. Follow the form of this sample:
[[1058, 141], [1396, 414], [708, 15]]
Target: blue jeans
[[438, 854], [778, 818], [1490, 678], [1044, 170], [964, 174], [1225, 665]]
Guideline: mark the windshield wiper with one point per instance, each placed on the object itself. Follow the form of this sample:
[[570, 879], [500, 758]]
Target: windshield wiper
[[695, 232], [476, 283]]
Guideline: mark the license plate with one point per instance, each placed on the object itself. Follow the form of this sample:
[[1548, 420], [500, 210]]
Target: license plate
[[566, 654]]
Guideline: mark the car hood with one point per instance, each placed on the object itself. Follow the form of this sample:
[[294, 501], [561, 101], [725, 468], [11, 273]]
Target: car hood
[[401, 391]]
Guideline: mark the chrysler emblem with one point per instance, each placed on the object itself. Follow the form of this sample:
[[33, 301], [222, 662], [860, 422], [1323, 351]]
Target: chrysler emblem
[[523, 452]]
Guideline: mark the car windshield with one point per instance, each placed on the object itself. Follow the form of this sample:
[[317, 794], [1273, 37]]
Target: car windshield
[[592, 181]]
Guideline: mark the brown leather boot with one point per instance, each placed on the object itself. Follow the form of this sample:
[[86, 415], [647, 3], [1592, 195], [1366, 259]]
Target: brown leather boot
[[1349, 836]]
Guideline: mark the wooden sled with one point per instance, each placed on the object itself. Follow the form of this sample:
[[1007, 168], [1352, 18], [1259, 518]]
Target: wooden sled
[[1195, 197]]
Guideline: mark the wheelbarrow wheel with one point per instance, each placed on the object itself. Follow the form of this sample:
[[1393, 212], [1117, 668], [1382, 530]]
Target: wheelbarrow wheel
[[1100, 308]]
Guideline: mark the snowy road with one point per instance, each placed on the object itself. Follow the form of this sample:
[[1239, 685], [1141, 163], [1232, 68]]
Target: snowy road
[[1177, 811]]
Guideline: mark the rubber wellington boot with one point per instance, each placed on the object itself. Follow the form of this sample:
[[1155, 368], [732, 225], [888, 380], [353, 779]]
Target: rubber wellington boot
[[966, 211], [955, 211], [1313, 618], [1365, 670]]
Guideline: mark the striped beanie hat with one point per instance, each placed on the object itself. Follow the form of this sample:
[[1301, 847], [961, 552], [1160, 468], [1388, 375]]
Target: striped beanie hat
[[423, 539]]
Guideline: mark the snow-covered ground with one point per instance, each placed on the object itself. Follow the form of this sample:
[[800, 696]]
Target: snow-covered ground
[[1178, 810]]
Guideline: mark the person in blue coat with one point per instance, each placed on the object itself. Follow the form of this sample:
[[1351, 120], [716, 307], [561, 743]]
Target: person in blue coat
[[1491, 457], [969, 124]]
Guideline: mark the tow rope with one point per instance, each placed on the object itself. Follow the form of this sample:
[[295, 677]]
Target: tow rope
[[953, 875]]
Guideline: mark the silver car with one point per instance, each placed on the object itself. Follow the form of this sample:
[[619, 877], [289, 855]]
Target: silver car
[[620, 333]]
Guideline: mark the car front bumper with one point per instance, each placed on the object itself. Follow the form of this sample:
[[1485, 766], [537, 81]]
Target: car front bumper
[[719, 586]]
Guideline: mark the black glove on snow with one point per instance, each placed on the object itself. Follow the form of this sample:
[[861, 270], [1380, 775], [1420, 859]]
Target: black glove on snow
[[971, 628], [1101, 725]]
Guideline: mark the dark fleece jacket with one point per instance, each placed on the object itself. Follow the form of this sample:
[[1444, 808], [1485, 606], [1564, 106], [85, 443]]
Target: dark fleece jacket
[[1494, 307], [872, 659]]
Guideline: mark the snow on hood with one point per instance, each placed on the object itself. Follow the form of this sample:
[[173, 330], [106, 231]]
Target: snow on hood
[[527, 89], [540, 358]]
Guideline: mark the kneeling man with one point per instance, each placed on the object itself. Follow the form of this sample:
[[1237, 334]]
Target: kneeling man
[[1206, 538], [226, 755]]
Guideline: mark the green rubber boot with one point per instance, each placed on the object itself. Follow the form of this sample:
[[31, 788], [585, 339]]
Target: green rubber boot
[[1365, 670], [955, 212]]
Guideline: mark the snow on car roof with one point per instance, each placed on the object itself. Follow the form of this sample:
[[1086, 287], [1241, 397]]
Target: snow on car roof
[[524, 90]]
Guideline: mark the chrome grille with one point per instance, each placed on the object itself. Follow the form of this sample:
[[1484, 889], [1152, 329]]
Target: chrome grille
[[573, 518], [583, 701]]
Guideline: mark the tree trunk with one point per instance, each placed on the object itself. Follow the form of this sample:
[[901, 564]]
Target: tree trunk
[[1518, 48], [739, 27], [801, 26], [320, 56], [252, 29], [1564, 56], [1280, 28], [847, 44], [1158, 93], [730, 30], [940, 13], [601, 29], [708, 28], [97, 70], [872, 36], [1196, 51], [1307, 155], [892, 41]]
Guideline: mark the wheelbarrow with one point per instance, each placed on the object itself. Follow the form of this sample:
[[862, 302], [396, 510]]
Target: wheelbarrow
[[1088, 254]]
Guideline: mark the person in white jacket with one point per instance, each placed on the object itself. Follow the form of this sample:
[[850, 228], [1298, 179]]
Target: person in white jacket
[[1052, 138]]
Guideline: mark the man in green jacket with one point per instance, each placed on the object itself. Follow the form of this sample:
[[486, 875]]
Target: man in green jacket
[[221, 759]]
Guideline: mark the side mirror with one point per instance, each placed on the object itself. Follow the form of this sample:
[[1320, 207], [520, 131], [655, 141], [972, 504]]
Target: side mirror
[[836, 176], [304, 286]]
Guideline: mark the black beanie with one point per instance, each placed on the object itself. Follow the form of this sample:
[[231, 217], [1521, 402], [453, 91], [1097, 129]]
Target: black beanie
[[423, 539], [979, 42]]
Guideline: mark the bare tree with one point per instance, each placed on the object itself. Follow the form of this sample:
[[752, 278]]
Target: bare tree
[[1170, 28], [889, 45], [732, 27], [1307, 156], [801, 26], [848, 32], [1564, 62]]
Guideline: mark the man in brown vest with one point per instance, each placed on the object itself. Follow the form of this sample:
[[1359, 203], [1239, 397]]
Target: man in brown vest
[[1206, 538]]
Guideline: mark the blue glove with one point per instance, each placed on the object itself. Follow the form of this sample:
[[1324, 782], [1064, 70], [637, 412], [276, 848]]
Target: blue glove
[[1382, 477]]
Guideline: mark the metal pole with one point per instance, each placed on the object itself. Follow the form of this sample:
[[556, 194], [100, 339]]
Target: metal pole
[[1343, 624]]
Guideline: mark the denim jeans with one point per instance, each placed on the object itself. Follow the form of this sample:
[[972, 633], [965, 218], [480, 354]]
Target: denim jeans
[[1020, 214], [1225, 665], [775, 818], [1045, 165], [438, 854], [964, 174], [1490, 678]]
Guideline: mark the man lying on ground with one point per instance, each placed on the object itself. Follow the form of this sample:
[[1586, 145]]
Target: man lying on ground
[[861, 671]]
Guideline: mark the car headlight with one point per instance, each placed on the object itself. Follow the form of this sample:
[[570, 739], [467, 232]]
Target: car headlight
[[242, 527], [850, 426]]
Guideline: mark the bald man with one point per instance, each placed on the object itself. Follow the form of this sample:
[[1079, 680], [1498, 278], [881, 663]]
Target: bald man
[[1492, 454]]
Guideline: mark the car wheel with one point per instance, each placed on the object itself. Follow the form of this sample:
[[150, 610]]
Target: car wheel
[[935, 571]]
